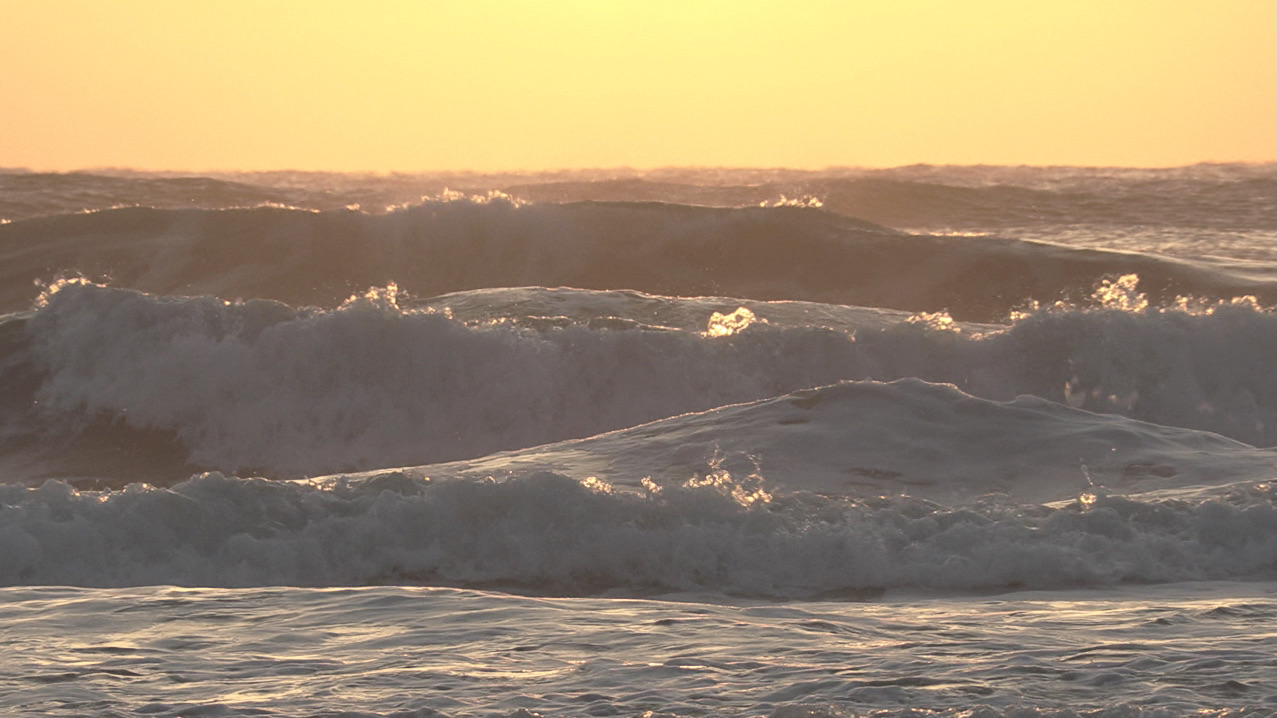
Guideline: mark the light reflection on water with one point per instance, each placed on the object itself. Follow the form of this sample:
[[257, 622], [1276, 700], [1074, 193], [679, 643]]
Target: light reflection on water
[[165, 651]]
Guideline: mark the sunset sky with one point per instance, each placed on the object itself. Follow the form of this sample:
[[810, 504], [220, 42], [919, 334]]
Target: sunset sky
[[492, 85]]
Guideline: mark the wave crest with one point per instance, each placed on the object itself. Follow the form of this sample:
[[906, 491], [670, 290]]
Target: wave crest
[[550, 534], [459, 244]]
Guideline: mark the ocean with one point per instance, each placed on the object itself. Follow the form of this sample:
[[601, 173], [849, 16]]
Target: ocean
[[977, 442]]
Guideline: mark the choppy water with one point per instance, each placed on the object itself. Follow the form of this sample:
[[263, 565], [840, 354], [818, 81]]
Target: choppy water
[[965, 441]]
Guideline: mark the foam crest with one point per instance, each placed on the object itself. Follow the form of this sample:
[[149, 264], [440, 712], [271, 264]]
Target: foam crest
[[261, 386], [1195, 370], [550, 534], [258, 385]]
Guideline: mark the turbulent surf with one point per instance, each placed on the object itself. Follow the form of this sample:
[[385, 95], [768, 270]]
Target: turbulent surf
[[950, 440]]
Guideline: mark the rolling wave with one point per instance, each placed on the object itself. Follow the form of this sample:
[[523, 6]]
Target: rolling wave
[[765, 253], [549, 534], [261, 386], [1227, 197]]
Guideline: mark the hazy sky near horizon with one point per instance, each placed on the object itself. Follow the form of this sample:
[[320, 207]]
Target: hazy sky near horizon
[[502, 85]]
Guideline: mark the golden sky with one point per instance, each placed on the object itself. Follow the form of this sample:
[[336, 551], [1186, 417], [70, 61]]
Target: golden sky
[[399, 85]]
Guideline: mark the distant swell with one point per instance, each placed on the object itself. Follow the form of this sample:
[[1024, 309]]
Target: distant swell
[[768, 253], [1240, 198]]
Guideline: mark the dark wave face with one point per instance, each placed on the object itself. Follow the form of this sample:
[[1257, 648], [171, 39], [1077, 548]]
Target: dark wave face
[[765, 253], [1226, 197], [24, 195]]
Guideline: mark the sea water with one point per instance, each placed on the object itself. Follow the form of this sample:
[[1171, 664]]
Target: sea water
[[956, 441]]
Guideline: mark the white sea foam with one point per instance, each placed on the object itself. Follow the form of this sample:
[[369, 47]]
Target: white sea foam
[[261, 386], [549, 533]]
